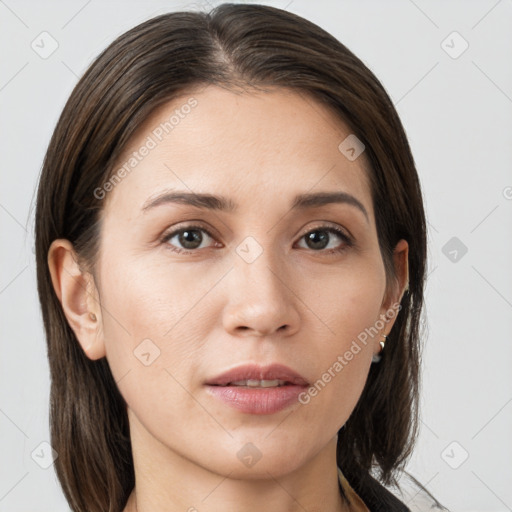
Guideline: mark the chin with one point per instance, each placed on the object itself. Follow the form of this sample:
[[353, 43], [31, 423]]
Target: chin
[[258, 457]]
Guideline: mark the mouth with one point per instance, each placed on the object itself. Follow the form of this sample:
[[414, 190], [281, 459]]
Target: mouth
[[274, 375], [254, 389], [255, 383]]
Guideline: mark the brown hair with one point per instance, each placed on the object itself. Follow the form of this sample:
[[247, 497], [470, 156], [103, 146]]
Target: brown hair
[[233, 45]]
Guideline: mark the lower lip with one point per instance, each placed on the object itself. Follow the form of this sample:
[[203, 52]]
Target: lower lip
[[257, 400]]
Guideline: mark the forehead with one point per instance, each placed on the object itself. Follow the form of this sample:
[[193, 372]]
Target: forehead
[[254, 146]]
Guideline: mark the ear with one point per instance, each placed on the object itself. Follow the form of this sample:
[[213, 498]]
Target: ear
[[79, 298], [396, 290]]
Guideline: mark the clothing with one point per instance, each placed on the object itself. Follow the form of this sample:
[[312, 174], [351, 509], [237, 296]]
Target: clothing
[[374, 497], [356, 503]]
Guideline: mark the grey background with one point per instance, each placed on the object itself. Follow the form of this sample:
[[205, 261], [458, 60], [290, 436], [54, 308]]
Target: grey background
[[457, 114]]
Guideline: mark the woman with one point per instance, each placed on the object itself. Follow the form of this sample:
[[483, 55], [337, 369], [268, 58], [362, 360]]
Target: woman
[[230, 243]]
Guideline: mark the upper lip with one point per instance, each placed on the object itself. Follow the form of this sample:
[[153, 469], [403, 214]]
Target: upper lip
[[256, 372]]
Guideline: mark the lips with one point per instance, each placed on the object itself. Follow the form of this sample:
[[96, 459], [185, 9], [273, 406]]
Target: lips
[[257, 390], [259, 376]]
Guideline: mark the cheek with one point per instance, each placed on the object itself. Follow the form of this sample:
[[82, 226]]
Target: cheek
[[142, 300], [348, 302], [147, 326], [149, 334], [349, 306]]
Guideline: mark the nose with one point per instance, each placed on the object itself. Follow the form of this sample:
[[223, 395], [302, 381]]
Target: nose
[[262, 301]]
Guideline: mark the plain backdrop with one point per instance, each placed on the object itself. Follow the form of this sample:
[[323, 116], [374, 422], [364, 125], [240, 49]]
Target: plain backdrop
[[448, 68]]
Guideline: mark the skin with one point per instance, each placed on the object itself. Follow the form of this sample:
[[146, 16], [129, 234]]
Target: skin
[[211, 310]]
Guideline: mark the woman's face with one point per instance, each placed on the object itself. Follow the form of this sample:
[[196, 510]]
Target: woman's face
[[249, 280]]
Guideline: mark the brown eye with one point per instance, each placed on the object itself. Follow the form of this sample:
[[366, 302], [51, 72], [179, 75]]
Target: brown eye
[[319, 239], [190, 238]]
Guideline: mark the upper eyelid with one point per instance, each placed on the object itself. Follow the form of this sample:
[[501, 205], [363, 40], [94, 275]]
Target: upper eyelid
[[192, 225]]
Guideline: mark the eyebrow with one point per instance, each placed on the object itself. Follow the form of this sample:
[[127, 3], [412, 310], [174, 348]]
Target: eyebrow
[[224, 204]]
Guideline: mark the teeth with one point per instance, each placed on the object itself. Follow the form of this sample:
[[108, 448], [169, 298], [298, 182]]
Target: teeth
[[253, 383]]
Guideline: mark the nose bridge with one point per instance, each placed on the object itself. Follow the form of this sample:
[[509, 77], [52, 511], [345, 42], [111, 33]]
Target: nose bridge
[[261, 269], [261, 297]]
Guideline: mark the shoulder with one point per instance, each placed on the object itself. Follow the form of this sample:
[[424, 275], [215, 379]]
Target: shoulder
[[417, 498], [408, 496]]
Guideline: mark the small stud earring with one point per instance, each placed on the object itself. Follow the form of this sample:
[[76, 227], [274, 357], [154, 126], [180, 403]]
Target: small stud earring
[[92, 316], [377, 357]]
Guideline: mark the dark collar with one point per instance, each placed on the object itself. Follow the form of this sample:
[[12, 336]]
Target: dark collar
[[376, 497]]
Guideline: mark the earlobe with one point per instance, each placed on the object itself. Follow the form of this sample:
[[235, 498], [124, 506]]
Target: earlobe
[[78, 296]]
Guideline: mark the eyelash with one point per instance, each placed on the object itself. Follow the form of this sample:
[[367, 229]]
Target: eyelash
[[347, 241]]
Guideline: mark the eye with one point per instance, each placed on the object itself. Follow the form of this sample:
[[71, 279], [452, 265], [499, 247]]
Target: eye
[[321, 239], [190, 238], [194, 237]]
